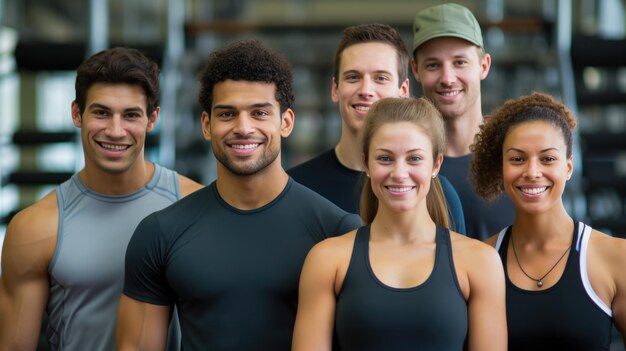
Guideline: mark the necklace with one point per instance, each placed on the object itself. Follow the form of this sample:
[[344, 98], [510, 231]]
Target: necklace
[[540, 280]]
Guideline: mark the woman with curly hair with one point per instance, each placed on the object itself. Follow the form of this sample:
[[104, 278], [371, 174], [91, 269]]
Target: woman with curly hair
[[403, 281], [565, 282]]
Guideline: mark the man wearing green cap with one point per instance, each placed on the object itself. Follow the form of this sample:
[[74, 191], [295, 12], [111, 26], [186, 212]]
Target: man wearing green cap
[[449, 62]]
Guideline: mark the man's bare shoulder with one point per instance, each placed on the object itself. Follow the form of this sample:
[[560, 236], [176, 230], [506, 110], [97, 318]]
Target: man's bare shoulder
[[35, 225], [188, 186]]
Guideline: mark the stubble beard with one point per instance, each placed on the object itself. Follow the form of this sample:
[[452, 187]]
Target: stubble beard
[[247, 168]]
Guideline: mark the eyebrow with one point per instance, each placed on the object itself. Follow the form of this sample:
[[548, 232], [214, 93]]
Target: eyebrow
[[350, 71], [408, 151], [541, 151], [96, 105], [454, 57], [231, 107]]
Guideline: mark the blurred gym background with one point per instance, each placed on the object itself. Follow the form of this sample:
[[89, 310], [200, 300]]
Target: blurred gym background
[[574, 49]]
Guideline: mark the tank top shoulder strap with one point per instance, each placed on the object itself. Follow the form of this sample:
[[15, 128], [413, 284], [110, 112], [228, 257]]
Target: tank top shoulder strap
[[444, 260], [582, 246], [165, 182], [501, 236], [362, 234]]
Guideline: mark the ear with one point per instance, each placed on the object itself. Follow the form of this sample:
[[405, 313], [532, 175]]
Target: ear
[[365, 166], [152, 119], [334, 93], [206, 125], [570, 167], [77, 118], [485, 64], [287, 120], [437, 164], [404, 88], [414, 69]]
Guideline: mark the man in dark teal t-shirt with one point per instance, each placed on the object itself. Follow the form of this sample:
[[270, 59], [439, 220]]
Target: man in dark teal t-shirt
[[230, 257]]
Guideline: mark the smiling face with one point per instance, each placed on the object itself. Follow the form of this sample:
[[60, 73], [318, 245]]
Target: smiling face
[[535, 166], [114, 127], [449, 71], [401, 166], [245, 126], [368, 72]]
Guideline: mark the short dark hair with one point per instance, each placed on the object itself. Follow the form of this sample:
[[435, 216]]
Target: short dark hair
[[247, 60], [121, 65], [486, 166], [378, 33]]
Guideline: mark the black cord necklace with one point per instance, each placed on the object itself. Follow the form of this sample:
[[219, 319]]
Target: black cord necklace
[[540, 280]]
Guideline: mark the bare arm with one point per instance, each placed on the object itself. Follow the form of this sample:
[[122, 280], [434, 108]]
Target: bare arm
[[486, 301], [140, 325], [316, 303], [612, 252], [187, 186], [28, 248]]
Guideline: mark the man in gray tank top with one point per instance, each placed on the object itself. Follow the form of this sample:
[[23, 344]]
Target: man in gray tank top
[[65, 253]]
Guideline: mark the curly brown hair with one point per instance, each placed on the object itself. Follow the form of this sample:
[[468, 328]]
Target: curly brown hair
[[247, 60], [486, 166]]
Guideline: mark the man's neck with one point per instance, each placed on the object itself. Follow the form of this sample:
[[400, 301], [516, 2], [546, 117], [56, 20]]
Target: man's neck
[[349, 151], [460, 133], [252, 191], [122, 183]]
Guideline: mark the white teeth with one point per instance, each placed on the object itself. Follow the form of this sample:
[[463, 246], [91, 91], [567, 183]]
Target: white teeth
[[400, 189], [533, 191], [244, 146], [452, 93], [362, 108], [114, 147]]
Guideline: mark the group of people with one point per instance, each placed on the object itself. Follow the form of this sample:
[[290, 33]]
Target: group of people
[[400, 237]]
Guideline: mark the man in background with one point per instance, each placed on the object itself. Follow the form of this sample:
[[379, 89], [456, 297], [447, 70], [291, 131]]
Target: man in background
[[371, 63], [449, 62]]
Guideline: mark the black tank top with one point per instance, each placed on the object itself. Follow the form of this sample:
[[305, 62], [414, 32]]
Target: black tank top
[[566, 316], [373, 316]]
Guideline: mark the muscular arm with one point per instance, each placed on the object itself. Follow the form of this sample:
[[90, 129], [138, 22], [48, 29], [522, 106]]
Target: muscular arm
[[140, 325], [28, 248], [486, 300], [316, 303], [611, 252]]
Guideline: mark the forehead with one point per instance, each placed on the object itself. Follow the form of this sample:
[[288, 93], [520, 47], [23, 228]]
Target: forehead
[[116, 93], [369, 56], [444, 47], [536, 133], [401, 134], [241, 94]]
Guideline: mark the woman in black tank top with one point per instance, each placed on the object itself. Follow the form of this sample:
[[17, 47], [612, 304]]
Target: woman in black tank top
[[565, 283], [403, 281]]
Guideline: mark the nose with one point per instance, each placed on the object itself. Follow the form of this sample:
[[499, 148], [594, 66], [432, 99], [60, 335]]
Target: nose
[[365, 90], [115, 127], [448, 75], [399, 171], [533, 169], [243, 125]]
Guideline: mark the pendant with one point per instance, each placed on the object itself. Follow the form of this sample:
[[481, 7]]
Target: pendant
[[539, 283]]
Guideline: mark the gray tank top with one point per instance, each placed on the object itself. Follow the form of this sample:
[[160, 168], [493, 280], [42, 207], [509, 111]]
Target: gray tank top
[[87, 268]]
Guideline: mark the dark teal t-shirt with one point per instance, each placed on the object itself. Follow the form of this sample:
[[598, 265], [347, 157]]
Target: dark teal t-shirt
[[232, 274]]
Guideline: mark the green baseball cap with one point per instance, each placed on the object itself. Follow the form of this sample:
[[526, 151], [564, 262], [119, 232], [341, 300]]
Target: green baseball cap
[[447, 20]]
